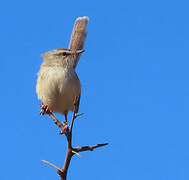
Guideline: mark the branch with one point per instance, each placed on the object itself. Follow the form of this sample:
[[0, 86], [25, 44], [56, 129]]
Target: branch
[[70, 152], [73, 118], [88, 148], [56, 121]]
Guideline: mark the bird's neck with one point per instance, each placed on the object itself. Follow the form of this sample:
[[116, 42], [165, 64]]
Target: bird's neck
[[57, 62]]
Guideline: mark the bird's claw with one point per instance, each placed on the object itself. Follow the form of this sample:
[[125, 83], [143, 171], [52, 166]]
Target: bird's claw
[[45, 109]]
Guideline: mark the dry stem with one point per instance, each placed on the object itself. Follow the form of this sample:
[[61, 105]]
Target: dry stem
[[70, 150]]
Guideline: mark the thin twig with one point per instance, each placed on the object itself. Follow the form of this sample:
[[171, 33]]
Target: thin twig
[[72, 122], [56, 121], [88, 148], [70, 150]]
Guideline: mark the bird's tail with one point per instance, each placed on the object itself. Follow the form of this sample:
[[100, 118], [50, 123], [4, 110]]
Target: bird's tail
[[78, 36]]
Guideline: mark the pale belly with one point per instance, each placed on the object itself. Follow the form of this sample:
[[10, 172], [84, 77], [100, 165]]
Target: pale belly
[[58, 88]]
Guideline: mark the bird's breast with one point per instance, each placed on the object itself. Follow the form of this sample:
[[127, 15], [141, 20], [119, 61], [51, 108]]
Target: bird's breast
[[58, 87]]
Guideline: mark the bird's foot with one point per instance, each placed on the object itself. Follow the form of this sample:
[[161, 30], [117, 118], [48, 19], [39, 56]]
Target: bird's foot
[[45, 109]]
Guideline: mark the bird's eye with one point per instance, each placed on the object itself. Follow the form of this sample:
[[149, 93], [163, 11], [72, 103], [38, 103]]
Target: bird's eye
[[64, 54]]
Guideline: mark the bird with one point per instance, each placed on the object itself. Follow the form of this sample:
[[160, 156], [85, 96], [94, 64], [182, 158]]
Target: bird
[[58, 85]]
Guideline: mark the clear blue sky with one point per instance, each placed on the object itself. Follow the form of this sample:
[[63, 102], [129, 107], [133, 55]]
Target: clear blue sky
[[135, 89]]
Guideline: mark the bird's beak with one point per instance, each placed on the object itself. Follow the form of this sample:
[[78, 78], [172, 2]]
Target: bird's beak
[[80, 51]]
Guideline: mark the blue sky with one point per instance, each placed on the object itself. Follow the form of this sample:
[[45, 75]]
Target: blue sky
[[135, 89]]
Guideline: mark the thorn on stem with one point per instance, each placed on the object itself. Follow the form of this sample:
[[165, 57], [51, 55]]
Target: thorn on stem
[[80, 114], [52, 165], [76, 153]]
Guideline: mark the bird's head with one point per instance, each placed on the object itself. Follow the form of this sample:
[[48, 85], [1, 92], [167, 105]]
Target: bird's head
[[60, 56], [61, 52]]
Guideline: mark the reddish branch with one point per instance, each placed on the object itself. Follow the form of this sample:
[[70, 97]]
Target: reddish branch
[[56, 121], [88, 148], [65, 129]]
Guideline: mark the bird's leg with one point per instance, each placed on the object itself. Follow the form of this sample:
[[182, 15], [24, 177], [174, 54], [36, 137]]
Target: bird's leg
[[75, 110], [66, 119], [65, 123], [45, 109], [76, 107]]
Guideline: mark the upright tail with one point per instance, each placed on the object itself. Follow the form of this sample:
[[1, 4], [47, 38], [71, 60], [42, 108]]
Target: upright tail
[[78, 36]]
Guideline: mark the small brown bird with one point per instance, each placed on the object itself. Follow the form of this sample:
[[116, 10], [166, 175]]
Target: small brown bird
[[58, 85]]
